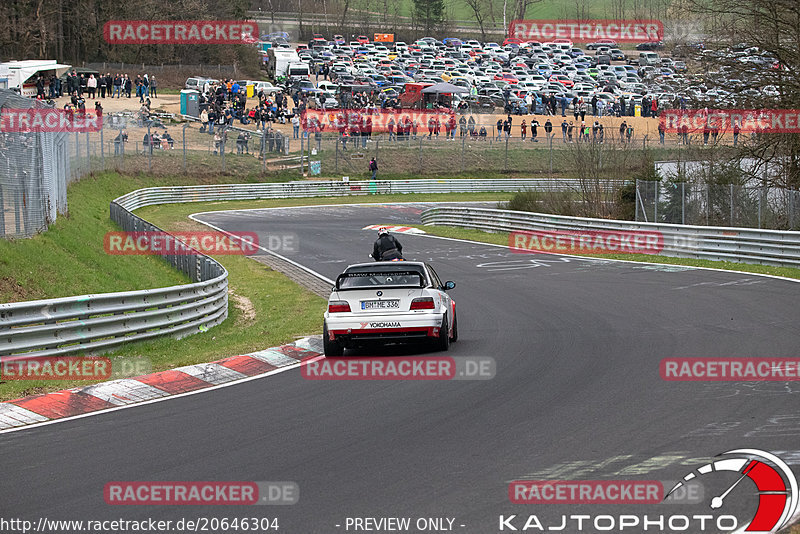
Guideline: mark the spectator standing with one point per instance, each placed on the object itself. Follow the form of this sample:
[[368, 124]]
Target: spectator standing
[[153, 87], [373, 167], [119, 141], [117, 86], [128, 86], [736, 130], [139, 89], [91, 85], [548, 130], [661, 132], [523, 130], [564, 127], [295, 126], [203, 120]]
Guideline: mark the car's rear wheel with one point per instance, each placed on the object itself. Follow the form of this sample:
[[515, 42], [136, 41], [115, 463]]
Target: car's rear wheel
[[443, 343], [330, 347]]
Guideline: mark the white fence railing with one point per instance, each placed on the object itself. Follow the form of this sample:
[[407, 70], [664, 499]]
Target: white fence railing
[[766, 247]]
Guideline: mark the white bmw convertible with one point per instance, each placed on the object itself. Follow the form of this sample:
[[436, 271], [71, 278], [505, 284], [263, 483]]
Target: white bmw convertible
[[389, 302]]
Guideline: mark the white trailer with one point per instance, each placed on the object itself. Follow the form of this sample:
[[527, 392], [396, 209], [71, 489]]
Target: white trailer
[[21, 75], [279, 61]]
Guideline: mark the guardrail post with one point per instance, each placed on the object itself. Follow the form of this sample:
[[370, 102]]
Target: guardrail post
[[655, 204], [463, 148], [683, 203], [302, 154], [184, 147], [420, 155], [731, 201], [222, 145], [122, 150]]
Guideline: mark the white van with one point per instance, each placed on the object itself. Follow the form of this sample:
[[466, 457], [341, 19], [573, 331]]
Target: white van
[[649, 58], [297, 70]]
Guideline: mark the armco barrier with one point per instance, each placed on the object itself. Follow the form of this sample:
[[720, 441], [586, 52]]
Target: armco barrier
[[766, 247], [299, 189], [93, 323]]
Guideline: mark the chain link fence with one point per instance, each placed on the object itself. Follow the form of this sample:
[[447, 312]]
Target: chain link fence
[[682, 202], [35, 169]]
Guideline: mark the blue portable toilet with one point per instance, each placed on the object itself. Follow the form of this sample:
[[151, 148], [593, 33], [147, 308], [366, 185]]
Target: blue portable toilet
[[190, 103]]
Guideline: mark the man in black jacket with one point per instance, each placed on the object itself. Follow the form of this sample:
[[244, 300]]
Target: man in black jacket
[[386, 247]]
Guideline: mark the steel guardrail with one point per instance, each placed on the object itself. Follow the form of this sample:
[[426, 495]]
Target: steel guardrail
[[99, 322], [301, 189], [95, 323], [745, 245]]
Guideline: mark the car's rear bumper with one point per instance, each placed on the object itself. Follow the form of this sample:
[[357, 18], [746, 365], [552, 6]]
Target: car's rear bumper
[[399, 327]]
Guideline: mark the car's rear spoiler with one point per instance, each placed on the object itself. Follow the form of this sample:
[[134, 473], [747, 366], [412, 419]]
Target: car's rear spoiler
[[364, 274]]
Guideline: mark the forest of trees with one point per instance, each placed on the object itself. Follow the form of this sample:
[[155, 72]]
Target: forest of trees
[[72, 31]]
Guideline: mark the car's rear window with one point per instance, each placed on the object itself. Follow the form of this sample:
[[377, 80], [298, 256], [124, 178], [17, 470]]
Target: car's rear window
[[369, 279]]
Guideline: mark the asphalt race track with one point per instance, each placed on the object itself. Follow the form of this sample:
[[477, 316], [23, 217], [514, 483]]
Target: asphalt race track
[[577, 396]]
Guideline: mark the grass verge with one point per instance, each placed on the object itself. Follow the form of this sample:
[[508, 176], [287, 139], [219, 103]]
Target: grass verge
[[502, 239]]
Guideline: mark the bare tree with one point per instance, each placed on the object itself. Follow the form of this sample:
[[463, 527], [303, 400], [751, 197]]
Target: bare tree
[[771, 28], [478, 8]]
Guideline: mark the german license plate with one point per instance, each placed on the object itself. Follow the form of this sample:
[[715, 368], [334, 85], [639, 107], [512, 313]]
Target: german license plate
[[380, 304]]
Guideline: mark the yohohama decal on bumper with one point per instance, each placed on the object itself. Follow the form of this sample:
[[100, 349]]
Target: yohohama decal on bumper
[[381, 324]]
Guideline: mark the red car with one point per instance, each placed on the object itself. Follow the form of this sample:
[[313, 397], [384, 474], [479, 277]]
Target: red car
[[563, 80], [510, 40], [363, 39], [506, 76]]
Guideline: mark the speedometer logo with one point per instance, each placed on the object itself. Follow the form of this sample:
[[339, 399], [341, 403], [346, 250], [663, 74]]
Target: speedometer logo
[[777, 486]]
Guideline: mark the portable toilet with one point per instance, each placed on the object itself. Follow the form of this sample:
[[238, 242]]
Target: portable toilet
[[190, 103], [251, 90], [637, 111]]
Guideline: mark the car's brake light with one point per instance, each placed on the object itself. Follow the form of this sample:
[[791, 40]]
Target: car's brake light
[[338, 306], [422, 303]]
